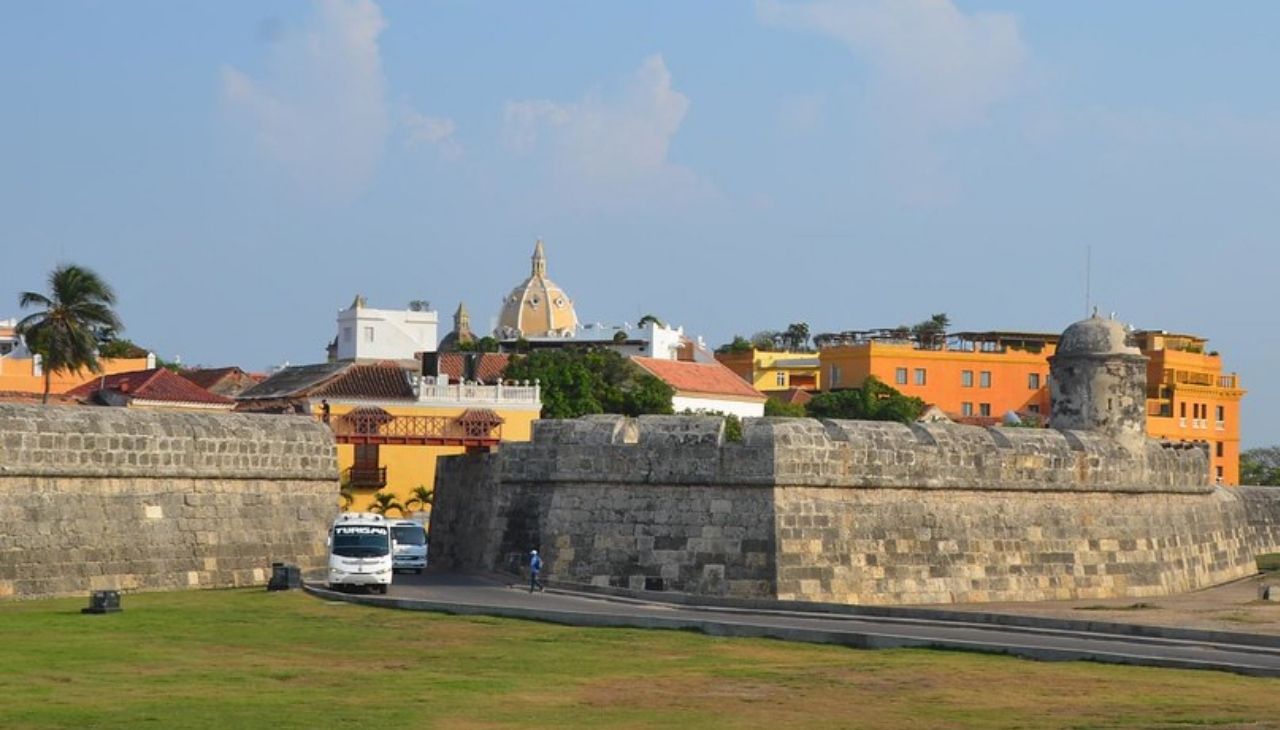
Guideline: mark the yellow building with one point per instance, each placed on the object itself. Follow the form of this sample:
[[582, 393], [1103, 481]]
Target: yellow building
[[772, 372], [537, 307], [391, 425]]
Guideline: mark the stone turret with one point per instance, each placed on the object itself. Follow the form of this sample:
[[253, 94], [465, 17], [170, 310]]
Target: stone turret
[[1098, 382]]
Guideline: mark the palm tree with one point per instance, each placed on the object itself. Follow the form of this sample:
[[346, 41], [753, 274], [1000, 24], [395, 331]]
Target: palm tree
[[78, 305], [348, 498], [421, 496], [384, 501]]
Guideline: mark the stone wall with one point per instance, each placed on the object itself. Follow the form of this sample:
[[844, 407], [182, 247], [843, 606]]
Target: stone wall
[[853, 512], [95, 498]]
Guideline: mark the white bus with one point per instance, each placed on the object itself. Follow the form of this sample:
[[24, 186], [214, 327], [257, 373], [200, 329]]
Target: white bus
[[360, 551]]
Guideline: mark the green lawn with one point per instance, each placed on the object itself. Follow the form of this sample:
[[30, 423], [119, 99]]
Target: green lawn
[[248, 658]]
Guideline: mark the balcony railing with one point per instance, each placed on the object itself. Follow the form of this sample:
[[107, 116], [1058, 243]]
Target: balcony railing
[[367, 477], [466, 393], [477, 424]]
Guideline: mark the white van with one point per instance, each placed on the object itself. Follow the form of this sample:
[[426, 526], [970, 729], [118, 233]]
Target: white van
[[409, 544], [360, 551]]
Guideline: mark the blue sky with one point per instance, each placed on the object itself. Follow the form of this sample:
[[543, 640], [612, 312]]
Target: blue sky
[[240, 170]]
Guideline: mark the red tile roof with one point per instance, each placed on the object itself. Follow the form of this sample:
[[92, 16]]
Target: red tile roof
[[709, 378], [381, 381], [208, 377], [796, 396], [489, 365], [157, 384]]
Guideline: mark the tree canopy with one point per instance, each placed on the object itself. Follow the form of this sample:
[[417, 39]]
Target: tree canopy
[[739, 344], [64, 330], [577, 382], [1261, 467], [874, 401]]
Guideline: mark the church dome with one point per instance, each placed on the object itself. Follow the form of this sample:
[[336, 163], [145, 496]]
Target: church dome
[[538, 307], [1096, 336]]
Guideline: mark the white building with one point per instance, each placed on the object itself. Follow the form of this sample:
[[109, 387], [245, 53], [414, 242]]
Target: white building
[[366, 334], [705, 387], [653, 340]]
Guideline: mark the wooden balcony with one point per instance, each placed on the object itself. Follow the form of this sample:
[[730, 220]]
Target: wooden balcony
[[475, 427], [366, 477]]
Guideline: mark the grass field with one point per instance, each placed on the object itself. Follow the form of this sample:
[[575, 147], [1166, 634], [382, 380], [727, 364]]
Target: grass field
[[233, 659]]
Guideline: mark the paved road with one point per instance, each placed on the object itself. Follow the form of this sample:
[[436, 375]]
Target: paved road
[[464, 594]]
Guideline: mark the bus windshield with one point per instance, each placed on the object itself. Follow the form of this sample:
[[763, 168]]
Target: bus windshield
[[361, 541], [409, 535]]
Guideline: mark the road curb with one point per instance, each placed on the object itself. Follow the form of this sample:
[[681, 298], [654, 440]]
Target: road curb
[[745, 629]]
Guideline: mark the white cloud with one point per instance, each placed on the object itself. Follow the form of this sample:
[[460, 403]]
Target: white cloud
[[931, 61], [611, 146], [421, 129], [319, 109]]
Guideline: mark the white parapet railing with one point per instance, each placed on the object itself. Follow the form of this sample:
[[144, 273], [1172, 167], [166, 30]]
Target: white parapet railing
[[510, 393]]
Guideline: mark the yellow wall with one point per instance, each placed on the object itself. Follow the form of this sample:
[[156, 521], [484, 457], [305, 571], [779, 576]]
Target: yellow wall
[[15, 374], [412, 466], [761, 368]]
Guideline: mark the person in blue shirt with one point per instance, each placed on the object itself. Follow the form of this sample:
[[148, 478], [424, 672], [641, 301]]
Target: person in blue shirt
[[535, 567]]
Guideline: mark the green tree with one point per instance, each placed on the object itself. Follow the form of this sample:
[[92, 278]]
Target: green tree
[[63, 332], [797, 336], [1261, 467], [768, 340], [576, 382], [648, 319], [774, 407], [487, 344], [347, 496], [421, 496], [739, 344], [384, 502], [932, 332], [874, 401]]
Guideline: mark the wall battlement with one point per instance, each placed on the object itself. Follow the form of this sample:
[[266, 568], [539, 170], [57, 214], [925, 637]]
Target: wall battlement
[[94, 498], [119, 442], [850, 511], [809, 452]]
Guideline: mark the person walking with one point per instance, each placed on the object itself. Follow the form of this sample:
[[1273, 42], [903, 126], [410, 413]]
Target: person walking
[[535, 567]]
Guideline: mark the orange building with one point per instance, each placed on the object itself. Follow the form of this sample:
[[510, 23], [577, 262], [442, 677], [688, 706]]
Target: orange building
[[1190, 399], [26, 375], [978, 377], [973, 375]]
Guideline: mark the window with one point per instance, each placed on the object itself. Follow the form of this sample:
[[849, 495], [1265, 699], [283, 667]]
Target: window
[[966, 378], [1034, 408], [966, 409], [835, 376], [900, 376], [368, 334], [347, 334], [782, 379], [1033, 381], [1219, 449], [920, 376], [1219, 470], [1182, 413], [984, 409], [1222, 414], [984, 379]]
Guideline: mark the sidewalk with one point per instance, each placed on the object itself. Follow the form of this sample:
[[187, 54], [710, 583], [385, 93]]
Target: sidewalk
[[1231, 607]]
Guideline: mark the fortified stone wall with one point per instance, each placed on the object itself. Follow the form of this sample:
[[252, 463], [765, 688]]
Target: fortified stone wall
[[94, 498], [849, 511]]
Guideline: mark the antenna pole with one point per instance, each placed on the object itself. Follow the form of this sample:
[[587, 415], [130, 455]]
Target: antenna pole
[[1088, 273]]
